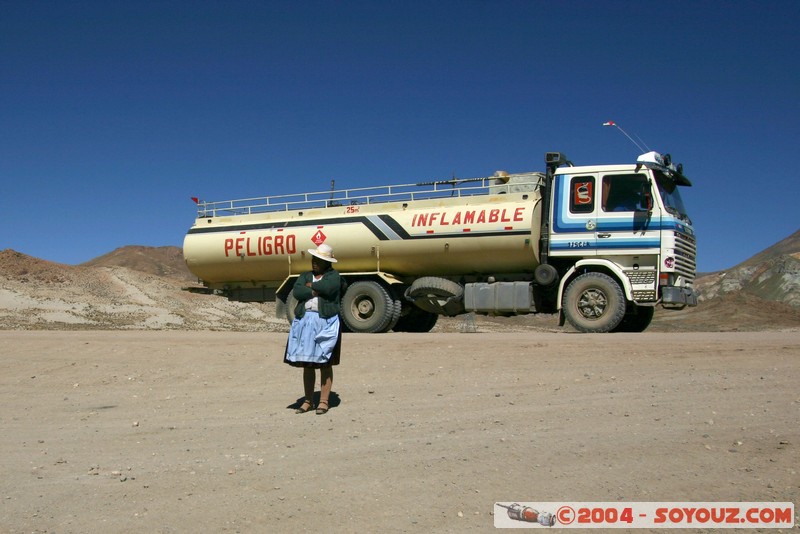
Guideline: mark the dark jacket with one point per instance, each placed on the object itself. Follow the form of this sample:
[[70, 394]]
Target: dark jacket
[[328, 293]]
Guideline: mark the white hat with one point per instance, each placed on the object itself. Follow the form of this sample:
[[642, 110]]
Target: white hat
[[323, 252]]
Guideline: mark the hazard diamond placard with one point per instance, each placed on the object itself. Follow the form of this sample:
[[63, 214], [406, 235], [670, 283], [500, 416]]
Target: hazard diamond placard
[[318, 238]]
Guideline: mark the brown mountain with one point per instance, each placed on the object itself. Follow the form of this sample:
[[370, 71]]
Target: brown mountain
[[761, 293], [786, 247], [160, 261], [772, 275], [102, 294]]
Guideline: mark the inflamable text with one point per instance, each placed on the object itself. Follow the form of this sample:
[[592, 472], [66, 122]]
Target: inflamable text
[[462, 217]]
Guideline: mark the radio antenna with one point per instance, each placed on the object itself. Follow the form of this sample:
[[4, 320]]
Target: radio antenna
[[612, 123]]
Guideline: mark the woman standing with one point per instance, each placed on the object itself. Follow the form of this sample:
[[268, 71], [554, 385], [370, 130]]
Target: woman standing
[[315, 337]]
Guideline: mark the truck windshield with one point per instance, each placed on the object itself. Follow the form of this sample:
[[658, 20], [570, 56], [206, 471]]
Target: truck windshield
[[671, 196]]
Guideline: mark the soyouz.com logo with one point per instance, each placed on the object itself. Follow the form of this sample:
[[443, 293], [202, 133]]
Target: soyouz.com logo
[[644, 515]]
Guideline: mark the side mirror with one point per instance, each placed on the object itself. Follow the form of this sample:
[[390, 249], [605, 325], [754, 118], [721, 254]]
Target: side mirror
[[646, 197], [648, 200]]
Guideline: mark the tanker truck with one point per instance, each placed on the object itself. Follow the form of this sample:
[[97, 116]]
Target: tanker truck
[[602, 246]]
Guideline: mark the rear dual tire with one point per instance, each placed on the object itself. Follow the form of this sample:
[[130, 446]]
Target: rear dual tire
[[368, 308], [415, 319]]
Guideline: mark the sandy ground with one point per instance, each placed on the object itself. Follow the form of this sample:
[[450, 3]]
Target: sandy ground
[[126, 431]]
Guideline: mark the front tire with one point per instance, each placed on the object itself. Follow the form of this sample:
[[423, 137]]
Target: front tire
[[594, 303]]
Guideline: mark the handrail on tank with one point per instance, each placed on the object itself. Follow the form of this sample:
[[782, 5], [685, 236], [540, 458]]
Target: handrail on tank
[[372, 195]]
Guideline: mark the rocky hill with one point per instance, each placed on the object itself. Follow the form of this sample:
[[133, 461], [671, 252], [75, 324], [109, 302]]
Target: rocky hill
[[130, 288], [761, 293], [772, 275], [138, 287], [158, 261]]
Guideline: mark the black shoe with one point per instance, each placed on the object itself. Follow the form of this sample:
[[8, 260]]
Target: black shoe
[[307, 406]]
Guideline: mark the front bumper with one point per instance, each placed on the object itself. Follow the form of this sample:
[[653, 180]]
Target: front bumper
[[678, 297]]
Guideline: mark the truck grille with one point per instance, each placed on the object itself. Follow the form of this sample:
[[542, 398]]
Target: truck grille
[[685, 255]]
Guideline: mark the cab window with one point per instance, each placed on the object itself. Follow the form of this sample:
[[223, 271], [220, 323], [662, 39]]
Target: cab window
[[626, 192]]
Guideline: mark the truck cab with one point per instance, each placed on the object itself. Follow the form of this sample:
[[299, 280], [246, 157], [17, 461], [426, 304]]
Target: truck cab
[[620, 224]]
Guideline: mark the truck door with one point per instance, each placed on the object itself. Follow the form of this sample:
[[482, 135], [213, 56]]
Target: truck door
[[574, 221], [627, 219]]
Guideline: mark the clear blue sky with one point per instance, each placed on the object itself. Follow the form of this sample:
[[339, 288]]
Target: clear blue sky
[[114, 114]]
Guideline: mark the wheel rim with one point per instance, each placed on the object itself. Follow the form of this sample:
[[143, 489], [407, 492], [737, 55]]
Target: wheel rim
[[363, 308], [592, 303]]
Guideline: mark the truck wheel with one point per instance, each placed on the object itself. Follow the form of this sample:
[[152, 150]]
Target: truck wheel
[[437, 295], [398, 310], [545, 275], [594, 303], [637, 319], [367, 308], [416, 320]]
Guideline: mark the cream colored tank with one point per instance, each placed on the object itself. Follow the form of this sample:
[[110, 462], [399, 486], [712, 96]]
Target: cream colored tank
[[470, 235]]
